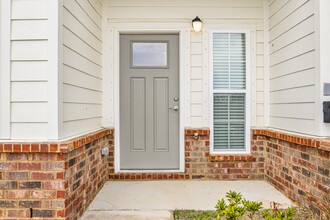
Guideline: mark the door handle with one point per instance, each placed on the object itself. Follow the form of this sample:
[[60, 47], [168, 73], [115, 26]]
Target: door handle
[[175, 108]]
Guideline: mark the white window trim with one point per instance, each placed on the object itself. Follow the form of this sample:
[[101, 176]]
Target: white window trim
[[247, 91]]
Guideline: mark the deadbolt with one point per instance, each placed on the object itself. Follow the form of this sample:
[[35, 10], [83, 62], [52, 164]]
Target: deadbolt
[[176, 99]]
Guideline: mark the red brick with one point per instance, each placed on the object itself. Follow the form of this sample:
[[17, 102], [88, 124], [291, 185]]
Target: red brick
[[26, 147], [8, 166], [42, 176], [60, 175], [17, 148], [35, 147], [44, 148], [53, 147], [18, 213], [17, 175], [53, 185], [29, 166], [43, 157], [16, 156], [60, 194], [7, 148], [61, 213], [29, 204], [39, 194], [17, 194], [60, 157], [37, 213]]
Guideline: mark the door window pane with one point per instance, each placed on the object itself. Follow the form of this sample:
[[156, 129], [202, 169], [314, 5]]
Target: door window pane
[[146, 54]]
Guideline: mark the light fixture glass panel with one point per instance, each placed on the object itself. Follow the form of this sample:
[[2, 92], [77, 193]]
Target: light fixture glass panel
[[147, 54]]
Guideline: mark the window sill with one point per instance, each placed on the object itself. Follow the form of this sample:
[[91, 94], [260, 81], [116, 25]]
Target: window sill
[[221, 158]]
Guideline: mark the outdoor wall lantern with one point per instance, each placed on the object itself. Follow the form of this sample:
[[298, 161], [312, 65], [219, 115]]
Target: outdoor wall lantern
[[197, 24]]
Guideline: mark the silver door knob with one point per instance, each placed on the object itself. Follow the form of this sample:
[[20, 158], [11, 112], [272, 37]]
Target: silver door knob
[[175, 108]]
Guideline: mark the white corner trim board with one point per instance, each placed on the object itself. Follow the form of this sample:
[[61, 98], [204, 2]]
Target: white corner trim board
[[5, 54]]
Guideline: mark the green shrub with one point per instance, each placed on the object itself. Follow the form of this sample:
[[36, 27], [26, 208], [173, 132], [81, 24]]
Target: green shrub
[[276, 214], [237, 207]]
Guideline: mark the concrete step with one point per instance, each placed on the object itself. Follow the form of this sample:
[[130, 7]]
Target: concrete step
[[127, 215]]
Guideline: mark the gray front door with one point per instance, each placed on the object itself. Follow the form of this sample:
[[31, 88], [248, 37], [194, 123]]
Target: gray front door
[[149, 101]]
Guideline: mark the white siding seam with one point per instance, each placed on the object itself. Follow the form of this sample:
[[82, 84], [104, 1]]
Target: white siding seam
[[68, 10], [29, 122], [271, 2], [284, 32], [67, 65], [29, 80], [296, 40], [29, 19], [304, 119], [95, 8], [280, 21], [82, 40], [81, 119], [29, 40], [291, 73], [292, 88], [82, 55], [83, 103], [26, 60], [291, 58], [291, 103], [278, 8], [82, 87], [190, 6], [82, 8]]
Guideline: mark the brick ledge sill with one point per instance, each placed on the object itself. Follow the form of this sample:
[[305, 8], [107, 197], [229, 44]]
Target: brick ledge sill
[[318, 143], [223, 158], [54, 147]]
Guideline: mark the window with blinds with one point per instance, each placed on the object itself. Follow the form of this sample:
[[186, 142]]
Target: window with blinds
[[229, 92]]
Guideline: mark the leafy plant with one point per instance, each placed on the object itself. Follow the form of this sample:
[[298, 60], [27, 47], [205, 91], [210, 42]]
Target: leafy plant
[[237, 207], [277, 214]]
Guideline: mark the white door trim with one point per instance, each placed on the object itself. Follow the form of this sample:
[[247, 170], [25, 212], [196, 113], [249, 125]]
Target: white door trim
[[111, 104]]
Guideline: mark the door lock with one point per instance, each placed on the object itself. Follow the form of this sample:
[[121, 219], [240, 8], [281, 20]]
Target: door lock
[[175, 108], [176, 99]]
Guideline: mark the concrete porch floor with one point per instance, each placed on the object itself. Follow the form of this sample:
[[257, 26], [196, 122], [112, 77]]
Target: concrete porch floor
[[156, 199]]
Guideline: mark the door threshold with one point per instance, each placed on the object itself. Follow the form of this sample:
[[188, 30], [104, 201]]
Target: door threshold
[[150, 171]]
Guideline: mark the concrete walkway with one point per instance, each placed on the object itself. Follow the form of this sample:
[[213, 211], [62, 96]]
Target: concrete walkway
[[156, 199]]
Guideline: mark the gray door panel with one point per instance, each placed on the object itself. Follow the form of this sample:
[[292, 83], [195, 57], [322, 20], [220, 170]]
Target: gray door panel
[[149, 129]]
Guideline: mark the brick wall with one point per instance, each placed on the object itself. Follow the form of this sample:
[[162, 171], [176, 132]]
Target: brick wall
[[59, 180], [52, 180], [200, 164], [299, 167], [31, 180]]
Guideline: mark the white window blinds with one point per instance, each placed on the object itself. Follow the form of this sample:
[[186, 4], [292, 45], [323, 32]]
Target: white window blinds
[[229, 61], [229, 88]]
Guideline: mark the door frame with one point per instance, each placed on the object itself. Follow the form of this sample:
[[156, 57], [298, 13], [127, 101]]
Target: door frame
[[112, 52]]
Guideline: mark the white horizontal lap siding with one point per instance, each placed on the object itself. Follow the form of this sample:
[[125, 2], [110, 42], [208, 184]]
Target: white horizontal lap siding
[[29, 66], [232, 13], [82, 66], [292, 65]]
